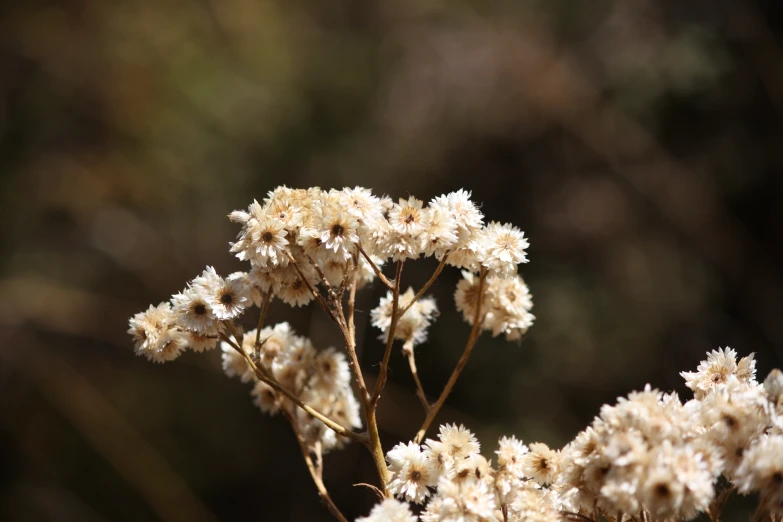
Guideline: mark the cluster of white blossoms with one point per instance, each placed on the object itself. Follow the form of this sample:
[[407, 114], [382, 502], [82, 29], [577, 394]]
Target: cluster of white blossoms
[[507, 302], [319, 379], [648, 457], [193, 318], [323, 245], [298, 239]]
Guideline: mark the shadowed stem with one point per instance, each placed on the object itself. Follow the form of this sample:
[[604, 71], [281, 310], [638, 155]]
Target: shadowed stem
[[395, 316], [407, 349], [316, 471], [262, 320], [316, 294], [478, 321], [388, 284], [373, 440], [426, 286]]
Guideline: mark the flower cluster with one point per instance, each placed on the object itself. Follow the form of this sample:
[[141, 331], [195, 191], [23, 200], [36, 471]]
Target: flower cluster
[[307, 245], [649, 457], [411, 327], [464, 486], [320, 379], [192, 319], [298, 239], [507, 302]]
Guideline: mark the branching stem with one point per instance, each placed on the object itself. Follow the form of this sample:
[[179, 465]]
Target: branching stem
[[426, 286], [478, 321], [316, 471], [266, 376], [395, 316], [388, 284], [407, 349]]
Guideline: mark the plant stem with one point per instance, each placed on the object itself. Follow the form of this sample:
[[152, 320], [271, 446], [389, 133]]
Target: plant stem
[[395, 316], [408, 351], [262, 320], [478, 321], [316, 472], [388, 284], [316, 294], [376, 449], [426, 286], [266, 376]]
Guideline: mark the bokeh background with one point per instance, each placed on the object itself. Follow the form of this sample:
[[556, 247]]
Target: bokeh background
[[637, 142]]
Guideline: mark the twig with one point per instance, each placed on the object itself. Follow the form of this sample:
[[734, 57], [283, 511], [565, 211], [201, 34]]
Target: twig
[[408, 351], [426, 286], [317, 295], [262, 320], [575, 516], [395, 316], [316, 472], [319, 272], [266, 376], [352, 297], [374, 488], [348, 329], [375, 269], [478, 321]]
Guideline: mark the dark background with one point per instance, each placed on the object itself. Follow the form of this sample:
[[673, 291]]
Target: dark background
[[637, 143]]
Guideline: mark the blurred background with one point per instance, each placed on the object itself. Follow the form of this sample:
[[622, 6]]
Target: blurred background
[[636, 142]]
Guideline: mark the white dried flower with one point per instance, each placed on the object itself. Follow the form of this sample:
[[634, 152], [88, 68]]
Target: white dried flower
[[192, 310], [412, 473], [266, 398], [761, 471], [361, 204], [714, 373], [412, 326], [390, 510], [464, 501], [262, 239], [227, 299], [508, 306], [504, 248], [441, 233], [155, 334], [511, 453], [334, 231], [773, 385], [458, 441], [541, 463], [408, 217]]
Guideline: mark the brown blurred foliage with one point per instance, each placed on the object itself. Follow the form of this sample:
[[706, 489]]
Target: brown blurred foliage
[[637, 142]]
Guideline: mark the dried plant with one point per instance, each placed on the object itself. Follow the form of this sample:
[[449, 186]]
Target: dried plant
[[649, 457]]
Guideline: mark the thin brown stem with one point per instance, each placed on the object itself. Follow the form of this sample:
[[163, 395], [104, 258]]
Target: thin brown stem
[[262, 319], [478, 321], [266, 376], [568, 515], [408, 351], [316, 294], [316, 472], [761, 511], [352, 297], [320, 273], [395, 316], [348, 329], [376, 449], [349, 336], [426, 286], [388, 284], [716, 506]]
